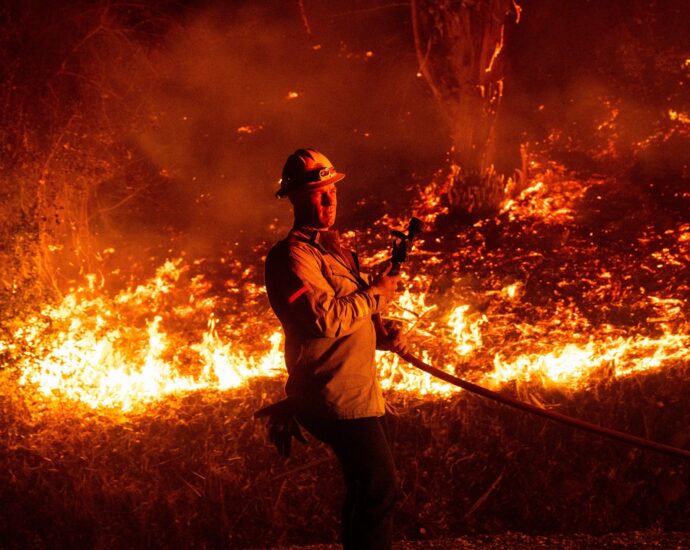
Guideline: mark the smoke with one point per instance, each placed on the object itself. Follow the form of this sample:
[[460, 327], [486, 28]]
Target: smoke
[[174, 122], [228, 93], [596, 79]]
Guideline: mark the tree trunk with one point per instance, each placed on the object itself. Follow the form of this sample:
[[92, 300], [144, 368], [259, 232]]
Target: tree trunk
[[459, 45]]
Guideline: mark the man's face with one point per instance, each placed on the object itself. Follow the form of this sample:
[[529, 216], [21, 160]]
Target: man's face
[[317, 208]]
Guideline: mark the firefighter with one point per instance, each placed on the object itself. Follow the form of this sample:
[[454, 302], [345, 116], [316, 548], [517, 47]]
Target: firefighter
[[327, 309]]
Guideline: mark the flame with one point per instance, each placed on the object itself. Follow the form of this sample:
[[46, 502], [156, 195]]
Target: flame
[[466, 333], [571, 363], [679, 116], [225, 367], [83, 352], [518, 11], [497, 50], [539, 200], [250, 129], [173, 333]]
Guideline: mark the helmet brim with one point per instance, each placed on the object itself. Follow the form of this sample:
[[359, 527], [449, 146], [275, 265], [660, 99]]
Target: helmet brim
[[305, 188]]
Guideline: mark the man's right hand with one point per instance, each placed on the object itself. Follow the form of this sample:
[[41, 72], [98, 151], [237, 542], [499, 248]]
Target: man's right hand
[[386, 285]]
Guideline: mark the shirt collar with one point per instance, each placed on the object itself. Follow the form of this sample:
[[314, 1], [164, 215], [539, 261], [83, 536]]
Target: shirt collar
[[316, 236]]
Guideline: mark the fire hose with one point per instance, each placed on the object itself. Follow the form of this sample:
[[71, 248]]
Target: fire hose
[[283, 426], [401, 242], [545, 413]]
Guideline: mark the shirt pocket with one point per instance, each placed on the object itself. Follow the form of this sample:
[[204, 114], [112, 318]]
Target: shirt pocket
[[341, 279]]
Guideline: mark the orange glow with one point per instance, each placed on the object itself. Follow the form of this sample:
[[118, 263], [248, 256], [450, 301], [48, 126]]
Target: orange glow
[[497, 51], [87, 354], [679, 116], [250, 129], [518, 11], [170, 334]]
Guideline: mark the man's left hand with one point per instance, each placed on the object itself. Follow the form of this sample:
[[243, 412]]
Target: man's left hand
[[282, 426], [395, 341]]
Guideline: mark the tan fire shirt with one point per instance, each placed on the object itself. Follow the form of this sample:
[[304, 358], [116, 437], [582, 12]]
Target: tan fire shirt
[[326, 309]]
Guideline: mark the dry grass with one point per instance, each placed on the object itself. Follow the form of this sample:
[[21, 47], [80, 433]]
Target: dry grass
[[196, 470]]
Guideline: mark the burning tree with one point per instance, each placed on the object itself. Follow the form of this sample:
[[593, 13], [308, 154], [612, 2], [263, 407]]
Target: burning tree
[[459, 45]]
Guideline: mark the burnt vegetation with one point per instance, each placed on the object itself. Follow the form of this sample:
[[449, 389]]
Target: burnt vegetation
[[588, 245]]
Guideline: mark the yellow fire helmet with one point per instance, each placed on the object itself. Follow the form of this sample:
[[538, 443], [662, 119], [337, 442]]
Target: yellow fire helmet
[[305, 170]]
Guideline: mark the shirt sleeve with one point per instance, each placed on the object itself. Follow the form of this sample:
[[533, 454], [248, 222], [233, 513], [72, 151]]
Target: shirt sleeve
[[304, 299]]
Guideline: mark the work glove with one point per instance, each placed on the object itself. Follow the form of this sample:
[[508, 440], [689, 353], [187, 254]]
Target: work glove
[[386, 284], [390, 337], [282, 426]]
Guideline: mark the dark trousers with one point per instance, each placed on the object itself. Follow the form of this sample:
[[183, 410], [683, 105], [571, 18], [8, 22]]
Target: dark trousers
[[363, 448]]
